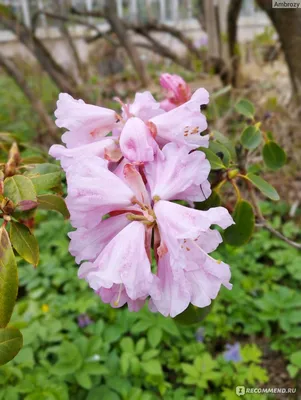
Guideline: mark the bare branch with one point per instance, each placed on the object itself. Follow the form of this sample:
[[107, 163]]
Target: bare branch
[[119, 29], [13, 71], [61, 78], [262, 221], [264, 224], [164, 51]]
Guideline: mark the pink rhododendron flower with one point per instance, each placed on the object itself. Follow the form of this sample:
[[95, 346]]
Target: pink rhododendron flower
[[136, 133], [118, 248], [176, 89], [121, 190]]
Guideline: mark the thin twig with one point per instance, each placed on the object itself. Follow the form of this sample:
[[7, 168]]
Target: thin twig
[[263, 222], [269, 228]]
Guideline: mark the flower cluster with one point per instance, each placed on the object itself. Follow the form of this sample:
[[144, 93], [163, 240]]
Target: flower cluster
[[124, 171]]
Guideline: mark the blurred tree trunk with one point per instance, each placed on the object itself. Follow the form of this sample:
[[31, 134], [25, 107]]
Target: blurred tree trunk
[[212, 29], [119, 29], [287, 23], [232, 19], [50, 136]]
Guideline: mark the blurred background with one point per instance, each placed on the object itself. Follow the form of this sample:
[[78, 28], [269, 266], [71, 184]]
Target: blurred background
[[75, 347]]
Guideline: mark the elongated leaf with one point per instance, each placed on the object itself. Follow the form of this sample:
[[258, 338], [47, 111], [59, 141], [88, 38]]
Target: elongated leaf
[[33, 160], [273, 155], [11, 341], [244, 219], [251, 137], [45, 177], [26, 205], [192, 315], [53, 202], [224, 140], [296, 358], [215, 161], [24, 242], [221, 151], [263, 186], [8, 278], [19, 188], [245, 108], [152, 367]]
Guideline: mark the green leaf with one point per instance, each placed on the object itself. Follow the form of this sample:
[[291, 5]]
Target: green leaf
[[8, 278], [127, 345], [190, 370], [24, 242], [140, 346], [241, 232], [295, 358], [245, 108], [215, 161], [263, 186], [33, 160], [251, 353], [45, 176], [103, 393], [93, 368], [19, 188], [251, 137], [141, 326], [149, 354], [224, 140], [192, 315], [11, 341], [152, 367], [292, 370], [154, 336], [83, 379], [221, 151], [273, 155], [53, 202], [70, 360]]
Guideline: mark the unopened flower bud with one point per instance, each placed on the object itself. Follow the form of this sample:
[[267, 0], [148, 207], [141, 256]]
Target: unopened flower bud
[[13, 160], [233, 173], [7, 206]]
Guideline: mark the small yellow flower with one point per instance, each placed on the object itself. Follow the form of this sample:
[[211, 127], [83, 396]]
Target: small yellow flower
[[45, 308]]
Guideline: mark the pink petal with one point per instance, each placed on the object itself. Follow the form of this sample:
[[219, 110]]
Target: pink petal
[[85, 269], [203, 287], [136, 142], [178, 175], [184, 124], [220, 216], [179, 222], [87, 244], [93, 191], [209, 240], [167, 105], [116, 296], [68, 156], [174, 295], [124, 261], [135, 183], [85, 122], [145, 106]]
